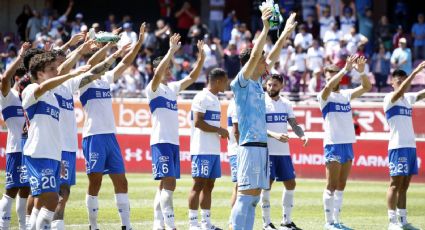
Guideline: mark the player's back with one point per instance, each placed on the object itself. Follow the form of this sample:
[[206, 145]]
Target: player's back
[[13, 116]]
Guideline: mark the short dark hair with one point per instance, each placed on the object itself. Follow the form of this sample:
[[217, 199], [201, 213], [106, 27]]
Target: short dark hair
[[21, 71], [156, 61], [399, 73], [244, 56], [29, 54], [39, 62], [277, 77], [58, 52], [216, 73]]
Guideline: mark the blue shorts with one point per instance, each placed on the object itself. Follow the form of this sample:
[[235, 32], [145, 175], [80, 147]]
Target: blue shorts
[[403, 162], [233, 162], [165, 161], [103, 154], [340, 153], [253, 168], [43, 175], [206, 166], [16, 171], [281, 168], [68, 161]]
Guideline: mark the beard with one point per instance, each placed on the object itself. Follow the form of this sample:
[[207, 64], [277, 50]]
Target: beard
[[273, 93]]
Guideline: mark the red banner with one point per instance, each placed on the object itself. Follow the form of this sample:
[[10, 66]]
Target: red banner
[[370, 163]]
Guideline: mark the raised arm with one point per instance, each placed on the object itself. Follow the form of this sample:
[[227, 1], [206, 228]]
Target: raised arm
[[10, 72], [70, 62], [56, 81], [199, 122], [69, 9], [129, 58], [334, 81], [194, 74], [257, 51], [366, 86], [274, 54], [165, 62], [100, 55], [406, 83], [73, 41]]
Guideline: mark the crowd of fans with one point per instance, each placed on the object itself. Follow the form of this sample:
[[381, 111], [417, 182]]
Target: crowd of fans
[[328, 31]]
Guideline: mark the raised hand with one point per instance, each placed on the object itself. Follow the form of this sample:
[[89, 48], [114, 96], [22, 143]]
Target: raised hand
[[86, 47], [201, 52], [350, 62], [77, 38], [142, 31], [80, 70], [116, 31], [361, 62], [175, 42], [265, 15], [419, 68], [291, 24], [122, 51], [24, 48]]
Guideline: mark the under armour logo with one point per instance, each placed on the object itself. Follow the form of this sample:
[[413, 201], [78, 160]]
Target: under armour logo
[[137, 154]]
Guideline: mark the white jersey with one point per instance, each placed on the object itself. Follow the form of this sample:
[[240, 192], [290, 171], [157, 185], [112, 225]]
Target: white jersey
[[44, 134], [277, 114], [205, 143], [65, 96], [347, 24], [399, 118], [338, 124], [325, 25], [232, 118], [97, 103], [315, 58], [13, 116], [163, 106]]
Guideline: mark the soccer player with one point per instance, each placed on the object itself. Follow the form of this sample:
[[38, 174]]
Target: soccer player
[[162, 96], [64, 94], [253, 173], [339, 134], [16, 181], [100, 147], [401, 147], [205, 148], [232, 148], [279, 113], [42, 150]]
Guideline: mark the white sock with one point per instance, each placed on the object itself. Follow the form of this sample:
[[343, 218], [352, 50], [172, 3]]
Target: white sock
[[338, 197], [158, 219], [167, 208], [206, 217], [392, 217], [92, 209], [33, 218], [58, 225], [288, 203], [21, 204], [402, 216], [328, 204], [265, 206], [193, 218], [123, 205], [27, 222], [5, 211], [44, 219]]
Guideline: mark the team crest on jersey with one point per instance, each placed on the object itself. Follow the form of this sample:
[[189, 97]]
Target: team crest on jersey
[[163, 159], [47, 172], [9, 178], [34, 184], [94, 155], [205, 162], [21, 169], [65, 164]]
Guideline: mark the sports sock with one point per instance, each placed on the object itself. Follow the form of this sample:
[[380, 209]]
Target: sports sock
[[288, 204], [328, 203], [58, 225], [205, 217], [265, 206], [123, 206], [392, 217], [402, 216], [338, 198], [21, 204], [33, 218], [44, 219], [158, 219], [27, 222], [167, 208], [193, 218], [5, 211], [92, 209]]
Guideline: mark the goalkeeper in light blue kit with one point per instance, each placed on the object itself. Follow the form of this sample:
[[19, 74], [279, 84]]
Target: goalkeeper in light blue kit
[[253, 167]]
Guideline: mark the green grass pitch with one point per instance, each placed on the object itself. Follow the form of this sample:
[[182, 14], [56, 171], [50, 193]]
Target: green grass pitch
[[364, 204]]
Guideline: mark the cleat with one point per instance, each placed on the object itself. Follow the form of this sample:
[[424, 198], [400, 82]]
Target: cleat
[[195, 227], [342, 226], [269, 227], [209, 227], [329, 226], [409, 226], [393, 226], [290, 226]]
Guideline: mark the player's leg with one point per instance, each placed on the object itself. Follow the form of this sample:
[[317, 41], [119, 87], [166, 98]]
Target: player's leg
[[233, 172], [339, 192], [32, 212], [287, 175], [392, 198], [265, 194], [333, 169], [402, 200], [92, 204], [6, 207], [166, 201], [21, 206], [158, 219], [198, 185], [205, 203]]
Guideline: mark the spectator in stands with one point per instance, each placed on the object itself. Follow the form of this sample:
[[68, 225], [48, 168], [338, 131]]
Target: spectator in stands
[[197, 32], [308, 7], [326, 21], [312, 26], [185, 17], [9, 57], [61, 33], [331, 39], [354, 40], [381, 67], [96, 27], [162, 34], [315, 56], [298, 61], [285, 55], [303, 39], [34, 26], [384, 33], [110, 22], [402, 57], [316, 82], [400, 34], [418, 34], [228, 24], [239, 35], [150, 38], [128, 35], [348, 20], [77, 24], [165, 10], [22, 21], [216, 17], [400, 13], [255, 14], [230, 57], [366, 28], [55, 20]]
